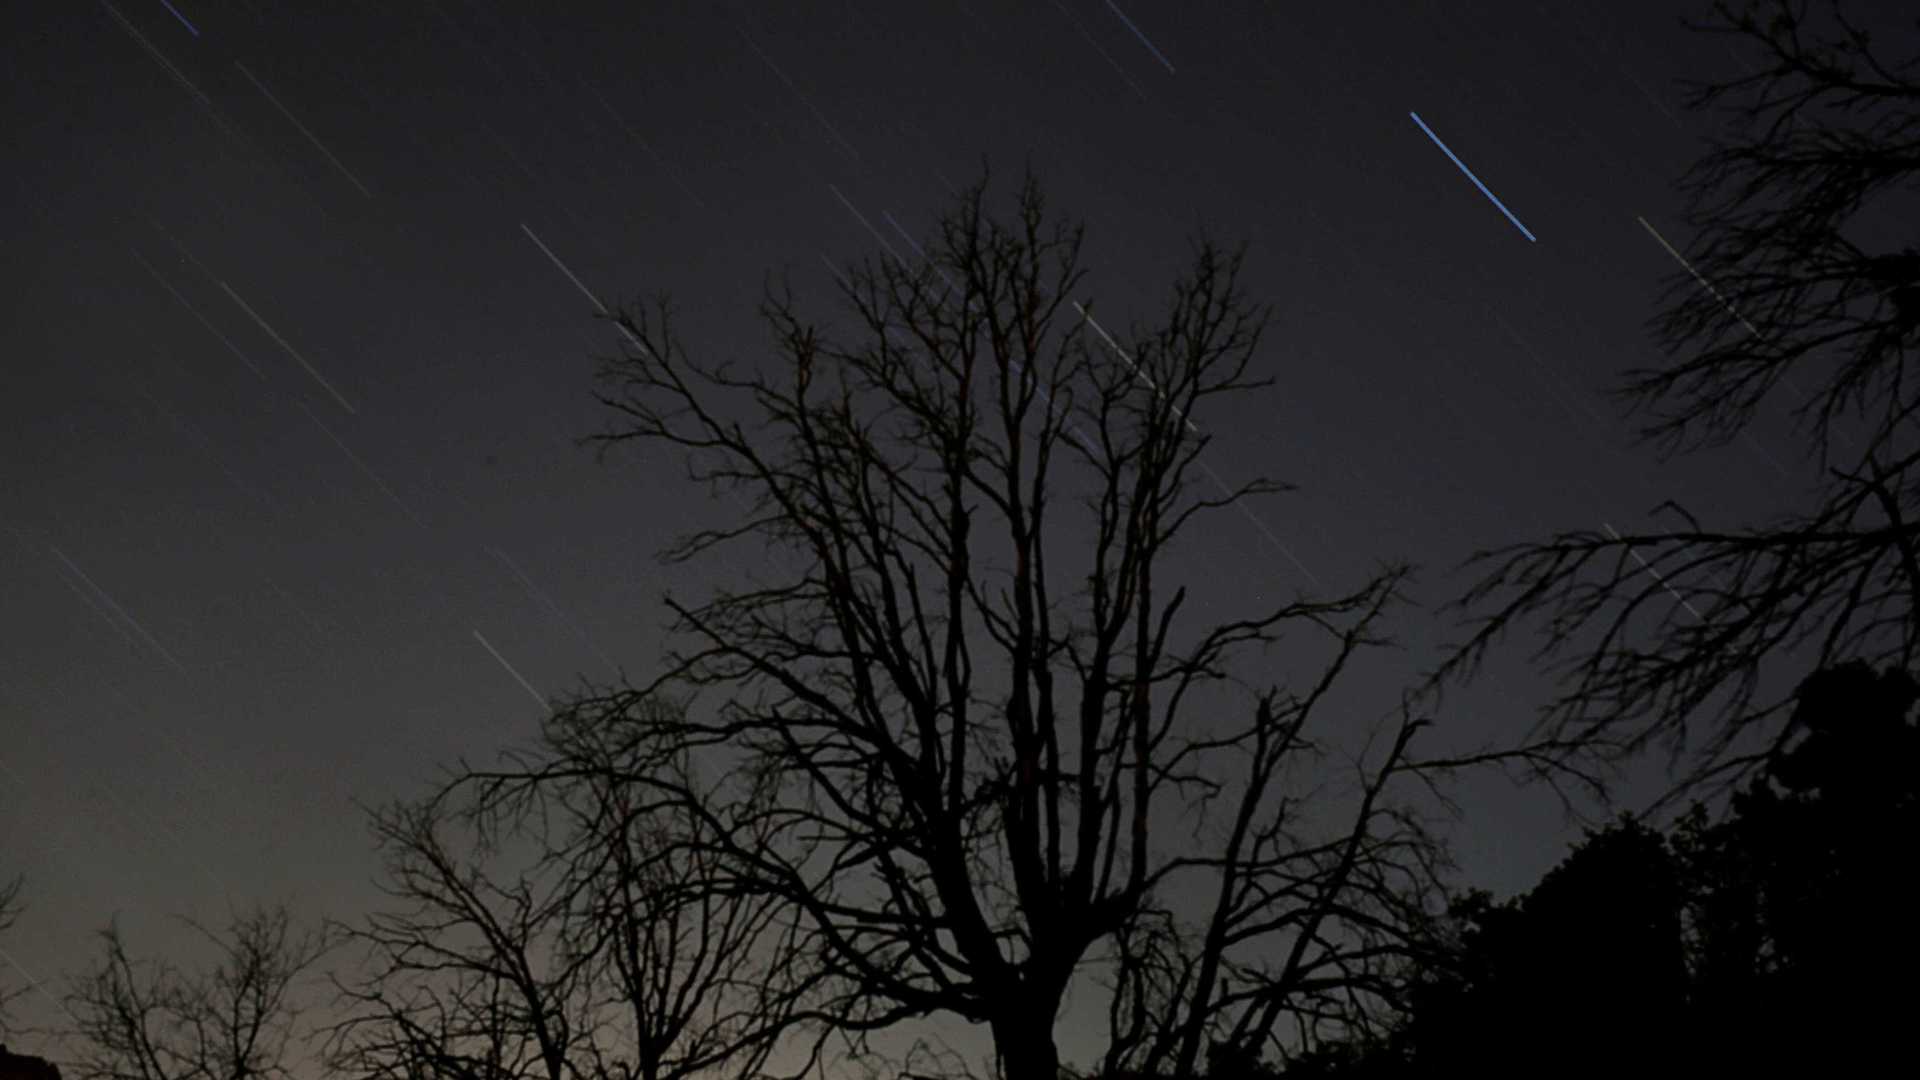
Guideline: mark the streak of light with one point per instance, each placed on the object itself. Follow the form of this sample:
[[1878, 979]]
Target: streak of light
[[1704, 283], [105, 615], [1648, 567], [904, 235], [1143, 38], [185, 83], [182, 248], [804, 100], [535, 591], [506, 147], [1715, 293], [1600, 45], [736, 496], [214, 330], [44, 992], [291, 351], [311, 137], [185, 427], [1261, 525], [672, 172], [571, 276], [1131, 365], [122, 612], [1074, 432], [1072, 429], [1082, 31], [191, 29], [868, 225], [355, 458], [1535, 370], [472, 45], [319, 631], [1553, 390], [588, 293], [1651, 99], [1476, 180], [1751, 442], [1754, 445], [1191, 426], [517, 676]]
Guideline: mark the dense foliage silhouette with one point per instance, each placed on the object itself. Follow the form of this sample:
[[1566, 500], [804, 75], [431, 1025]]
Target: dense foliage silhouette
[[25, 1066], [1774, 935]]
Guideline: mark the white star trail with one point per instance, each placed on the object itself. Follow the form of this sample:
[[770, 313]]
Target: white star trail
[[584, 291], [44, 992], [535, 694], [546, 601], [672, 172], [1191, 426], [1704, 283], [1131, 365], [1138, 90], [291, 351], [571, 276], [1648, 567], [119, 611], [865, 224], [185, 83], [191, 310], [365, 470], [311, 137], [804, 100], [1752, 330]]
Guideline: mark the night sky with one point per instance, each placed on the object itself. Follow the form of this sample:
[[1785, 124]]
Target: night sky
[[299, 345]]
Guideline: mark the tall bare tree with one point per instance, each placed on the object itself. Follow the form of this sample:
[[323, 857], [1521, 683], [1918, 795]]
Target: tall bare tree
[[966, 730], [1791, 272], [234, 1022], [610, 953]]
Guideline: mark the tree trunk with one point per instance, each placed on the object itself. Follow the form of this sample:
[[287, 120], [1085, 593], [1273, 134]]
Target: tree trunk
[[1023, 1040]]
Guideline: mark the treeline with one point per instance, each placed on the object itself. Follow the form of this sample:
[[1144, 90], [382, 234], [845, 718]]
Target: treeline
[[1775, 935]]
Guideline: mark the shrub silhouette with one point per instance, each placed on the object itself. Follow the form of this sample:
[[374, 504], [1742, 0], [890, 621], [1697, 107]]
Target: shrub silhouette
[[25, 1066]]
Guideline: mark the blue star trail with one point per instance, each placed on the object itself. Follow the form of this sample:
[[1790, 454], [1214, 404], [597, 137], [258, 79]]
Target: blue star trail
[[1470, 176]]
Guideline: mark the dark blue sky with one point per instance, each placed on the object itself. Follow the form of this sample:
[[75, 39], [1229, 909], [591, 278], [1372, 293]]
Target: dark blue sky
[[294, 364]]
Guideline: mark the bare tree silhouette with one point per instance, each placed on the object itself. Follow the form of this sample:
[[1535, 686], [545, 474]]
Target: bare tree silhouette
[[1775, 286], [234, 1022], [964, 744], [614, 952]]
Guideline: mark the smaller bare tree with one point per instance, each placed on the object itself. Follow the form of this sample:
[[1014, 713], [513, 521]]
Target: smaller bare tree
[[620, 930], [232, 1023]]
